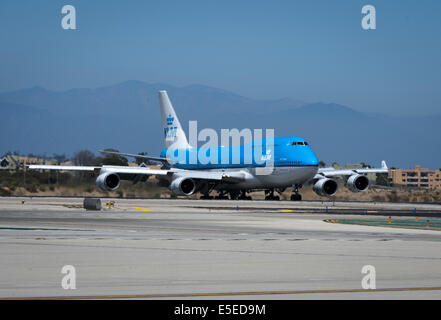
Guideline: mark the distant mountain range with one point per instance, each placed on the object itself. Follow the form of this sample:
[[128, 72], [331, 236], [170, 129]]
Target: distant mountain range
[[126, 116]]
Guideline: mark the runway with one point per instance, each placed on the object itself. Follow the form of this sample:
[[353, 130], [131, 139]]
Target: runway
[[214, 249]]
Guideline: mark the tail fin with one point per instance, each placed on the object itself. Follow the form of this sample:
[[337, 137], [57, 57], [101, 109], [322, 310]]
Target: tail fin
[[174, 135], [383, 165]]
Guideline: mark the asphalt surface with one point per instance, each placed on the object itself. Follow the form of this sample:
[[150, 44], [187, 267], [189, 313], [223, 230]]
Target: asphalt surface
[[214, 249]]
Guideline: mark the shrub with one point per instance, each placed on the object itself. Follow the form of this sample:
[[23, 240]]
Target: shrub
[[31, 188], [5, 192]]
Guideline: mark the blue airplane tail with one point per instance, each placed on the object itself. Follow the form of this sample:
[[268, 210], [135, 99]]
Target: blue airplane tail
[[174, 135]]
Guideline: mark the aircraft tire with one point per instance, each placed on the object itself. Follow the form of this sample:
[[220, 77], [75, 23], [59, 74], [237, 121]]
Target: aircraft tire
[[234, 195]]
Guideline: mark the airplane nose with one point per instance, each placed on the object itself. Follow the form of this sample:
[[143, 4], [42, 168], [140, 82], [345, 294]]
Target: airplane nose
[[311, 159]]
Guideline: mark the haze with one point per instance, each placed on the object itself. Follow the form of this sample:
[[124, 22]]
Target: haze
[[313, 51]]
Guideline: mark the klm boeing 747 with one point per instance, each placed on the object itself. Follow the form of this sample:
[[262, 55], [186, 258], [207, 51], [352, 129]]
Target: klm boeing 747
[[231, 171]]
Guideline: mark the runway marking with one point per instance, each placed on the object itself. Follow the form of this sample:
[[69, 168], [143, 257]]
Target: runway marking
[[141, 209], [433, 224], [220, 294]]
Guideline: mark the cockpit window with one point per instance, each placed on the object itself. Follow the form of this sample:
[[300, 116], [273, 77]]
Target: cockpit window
[[299, 143]]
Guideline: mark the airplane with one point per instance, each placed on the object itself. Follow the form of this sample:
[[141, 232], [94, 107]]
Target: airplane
[[292, 164]]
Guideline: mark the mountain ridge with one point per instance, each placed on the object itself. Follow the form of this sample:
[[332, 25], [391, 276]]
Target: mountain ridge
[[126, 116]]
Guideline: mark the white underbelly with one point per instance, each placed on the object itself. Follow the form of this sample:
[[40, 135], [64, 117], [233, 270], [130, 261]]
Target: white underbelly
[[278, 177]]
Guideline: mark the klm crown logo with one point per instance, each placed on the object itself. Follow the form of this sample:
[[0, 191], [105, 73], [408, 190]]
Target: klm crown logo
[[170, 120]]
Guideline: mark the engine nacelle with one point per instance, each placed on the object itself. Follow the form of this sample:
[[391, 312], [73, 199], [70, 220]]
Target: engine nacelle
[[108, 181], [183, 186], [325, 187], [358, 183]]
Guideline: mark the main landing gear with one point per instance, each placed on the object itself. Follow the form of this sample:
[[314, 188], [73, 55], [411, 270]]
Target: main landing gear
[[206, 192], [222, 196], [269, 195], [243, 195], [234, 195], [296, 196]]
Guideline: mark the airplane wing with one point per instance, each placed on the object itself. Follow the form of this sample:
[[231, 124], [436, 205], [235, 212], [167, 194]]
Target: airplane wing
[[61, 168], [115, 169], [331, 172], [159, 159], [231, 177]]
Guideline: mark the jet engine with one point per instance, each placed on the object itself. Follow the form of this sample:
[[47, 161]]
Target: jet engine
[[183, 186], [108, 181], [325, 187], [358, 183]]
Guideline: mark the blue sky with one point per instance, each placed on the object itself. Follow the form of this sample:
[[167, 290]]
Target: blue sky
[[310, 50]]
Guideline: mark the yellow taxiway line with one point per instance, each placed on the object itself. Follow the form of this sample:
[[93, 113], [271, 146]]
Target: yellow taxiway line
[[141, 209]]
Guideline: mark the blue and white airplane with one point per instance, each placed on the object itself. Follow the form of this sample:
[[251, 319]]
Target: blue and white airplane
[[288, 162]]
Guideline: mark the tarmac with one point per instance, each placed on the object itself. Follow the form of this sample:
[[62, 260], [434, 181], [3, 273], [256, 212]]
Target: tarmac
[[216, 249]]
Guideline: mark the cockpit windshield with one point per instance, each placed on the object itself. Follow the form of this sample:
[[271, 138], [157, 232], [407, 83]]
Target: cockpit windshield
[[299, 143]]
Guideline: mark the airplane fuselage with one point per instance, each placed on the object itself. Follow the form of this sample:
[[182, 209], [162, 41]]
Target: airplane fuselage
[[286, 162]]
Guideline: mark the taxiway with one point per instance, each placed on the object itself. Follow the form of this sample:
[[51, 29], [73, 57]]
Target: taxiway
[[214, 249]]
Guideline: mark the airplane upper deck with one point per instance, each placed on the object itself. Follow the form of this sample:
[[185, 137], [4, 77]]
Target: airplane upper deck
[[277, 152]]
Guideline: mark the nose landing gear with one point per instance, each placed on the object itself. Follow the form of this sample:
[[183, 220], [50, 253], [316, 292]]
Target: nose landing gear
[[296, 196]]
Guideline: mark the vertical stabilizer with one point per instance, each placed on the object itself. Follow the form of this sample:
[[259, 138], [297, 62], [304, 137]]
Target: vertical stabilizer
[[172, 130]]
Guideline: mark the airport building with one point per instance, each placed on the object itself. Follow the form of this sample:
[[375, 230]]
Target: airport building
[[15, 162], [415, 178]]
